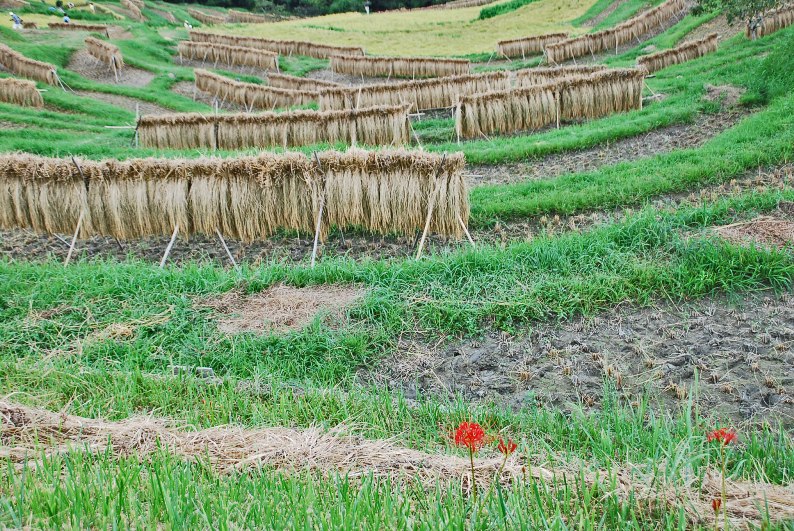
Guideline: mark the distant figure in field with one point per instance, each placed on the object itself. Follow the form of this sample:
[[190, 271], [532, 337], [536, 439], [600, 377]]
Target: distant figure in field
[[16, 20], [66, 19], [70, 5], [91, 7], [188, 25]]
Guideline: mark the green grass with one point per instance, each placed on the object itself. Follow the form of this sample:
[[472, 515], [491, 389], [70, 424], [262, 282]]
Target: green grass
[[503, 8]]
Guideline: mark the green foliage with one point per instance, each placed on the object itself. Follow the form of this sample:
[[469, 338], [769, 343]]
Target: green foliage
[[743, 10], [774, 76], [501, 9]]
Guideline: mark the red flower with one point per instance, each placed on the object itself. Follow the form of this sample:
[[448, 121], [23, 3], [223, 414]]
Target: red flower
[[716, 503], [470, 435], [507, 448], [723, 435]]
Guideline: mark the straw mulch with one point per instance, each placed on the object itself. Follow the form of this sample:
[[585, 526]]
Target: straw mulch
[[246, 198], [250, 95], [138, 3], [311, 49], [773, 21], [206, 18], [106, 52], [375, 126], [539, 76], [423, 94], [247, 18], [28, 434], [20, 92], [16, 4], [411, 67], [92, 28], [286, 81], [680, 54], [610, 39], [536, 106], [18, 64], [525, 46], [134, 10], [228, 55]]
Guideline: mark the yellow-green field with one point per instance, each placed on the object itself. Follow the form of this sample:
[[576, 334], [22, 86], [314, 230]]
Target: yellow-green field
[[426, 32]]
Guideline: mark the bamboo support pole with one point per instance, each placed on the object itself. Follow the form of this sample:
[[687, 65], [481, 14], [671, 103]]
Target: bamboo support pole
[[170, 246]]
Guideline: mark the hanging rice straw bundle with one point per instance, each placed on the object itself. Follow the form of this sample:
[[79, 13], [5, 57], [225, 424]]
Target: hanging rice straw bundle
[[135, 11], [250, 95], [320, 51], [525, 46], [600, 94], [18, 64], [539, 76], [138, 3], [228, 55], [37, 194], [206, 18], [506, 111], [680, 54], [423, 94], [20, 92], [178, 131], [247, 18], [411, 67], [773, 21], [374, 126], [609, 39], [74, 26], [15, 4], [536, 106], [298, 83], [106, 52], [246, 198]]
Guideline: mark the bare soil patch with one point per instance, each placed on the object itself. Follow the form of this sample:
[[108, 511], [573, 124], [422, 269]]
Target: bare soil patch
[[743, 353], [120, 34], [89, 67], [768, 231], [664, 140], [281, 308], [126, 102], [727, 95], [719, 26]]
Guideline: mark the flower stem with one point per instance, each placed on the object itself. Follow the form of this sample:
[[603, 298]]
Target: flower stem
[[724, 488], [473, 481]]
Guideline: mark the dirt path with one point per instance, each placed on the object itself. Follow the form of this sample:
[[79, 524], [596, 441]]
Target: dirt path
[[595, 21], [126, 102], [89, 67], [719, 26], [743, 355], [664, 140]]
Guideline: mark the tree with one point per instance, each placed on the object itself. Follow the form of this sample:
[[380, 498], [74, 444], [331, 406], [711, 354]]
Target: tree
[[750, 11]]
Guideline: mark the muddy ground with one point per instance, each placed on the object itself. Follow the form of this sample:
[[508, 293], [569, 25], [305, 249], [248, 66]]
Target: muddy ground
[[90, 67], [733, 358]]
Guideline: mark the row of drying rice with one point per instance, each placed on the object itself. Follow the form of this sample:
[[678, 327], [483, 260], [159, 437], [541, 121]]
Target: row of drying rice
[[250, 95], [610, 39], [532, 106], [374, 126], [770, 22], [228, 55], [310, 49], [246, 198]]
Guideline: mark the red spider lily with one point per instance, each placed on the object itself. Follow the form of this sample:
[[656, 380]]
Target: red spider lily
[[716, 503], [723, 435], [508, 447], [470, 435]]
